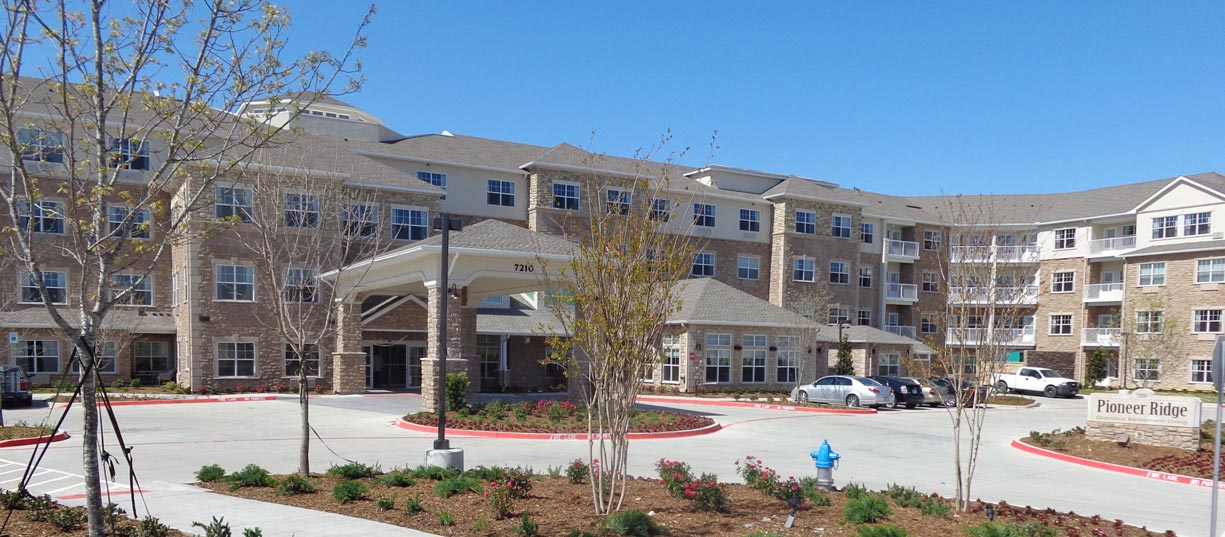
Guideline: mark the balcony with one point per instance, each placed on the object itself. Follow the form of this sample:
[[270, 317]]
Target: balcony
[[1101, 337], [1112, 246], [977, 337], [904, 251], [902, 293], [994, 254], [1104, 293], [1026, 295], [904, 331]]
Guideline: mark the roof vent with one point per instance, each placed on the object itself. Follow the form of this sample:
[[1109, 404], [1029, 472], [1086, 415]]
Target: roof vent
[[914, 207], [447, 133]]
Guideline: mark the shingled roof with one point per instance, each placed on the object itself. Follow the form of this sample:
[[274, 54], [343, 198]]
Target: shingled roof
[[140, 321], [500, 236], [457, 149], [1179, 248], [518, 320], [710, 301]]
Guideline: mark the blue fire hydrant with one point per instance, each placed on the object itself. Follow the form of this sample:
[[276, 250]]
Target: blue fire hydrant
[[826, 459]]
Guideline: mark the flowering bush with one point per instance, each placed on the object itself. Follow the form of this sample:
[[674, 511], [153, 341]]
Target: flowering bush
[[502, 494], [578, 471], [674, 475], [705, 491], [764, 479]]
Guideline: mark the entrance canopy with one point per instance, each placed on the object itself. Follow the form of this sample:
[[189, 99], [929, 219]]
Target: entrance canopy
[[489, 258]]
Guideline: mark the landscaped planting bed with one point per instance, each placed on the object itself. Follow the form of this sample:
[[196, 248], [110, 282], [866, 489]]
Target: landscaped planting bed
[[22, 429], [507, 501], [1161, 459], [547, 416], [42, 517]]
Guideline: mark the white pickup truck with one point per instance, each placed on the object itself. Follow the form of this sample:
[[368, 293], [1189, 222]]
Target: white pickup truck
[[1036, 379]]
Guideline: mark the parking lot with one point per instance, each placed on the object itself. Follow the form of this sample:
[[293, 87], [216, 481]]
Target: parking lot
[[910, 447]]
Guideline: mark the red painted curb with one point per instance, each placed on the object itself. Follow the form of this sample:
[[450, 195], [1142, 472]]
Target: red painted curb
[[1118, 468], [222, 399], [552, 436], [764, 406], [33, 440]]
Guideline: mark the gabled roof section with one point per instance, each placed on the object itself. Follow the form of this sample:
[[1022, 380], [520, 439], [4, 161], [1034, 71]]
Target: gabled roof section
[[519, 320], [710, 301], [1179, 248], [457, 150], [302, 152], [873, 204], [500, 236], [1213, 183]]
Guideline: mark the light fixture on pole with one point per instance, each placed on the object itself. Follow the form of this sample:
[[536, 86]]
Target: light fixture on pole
[[445, 223]]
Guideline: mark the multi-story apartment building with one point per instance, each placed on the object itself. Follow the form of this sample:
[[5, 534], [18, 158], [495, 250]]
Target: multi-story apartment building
[[1108, 269]]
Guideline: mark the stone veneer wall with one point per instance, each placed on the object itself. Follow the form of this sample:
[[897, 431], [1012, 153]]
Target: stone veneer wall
[[1187, 438]]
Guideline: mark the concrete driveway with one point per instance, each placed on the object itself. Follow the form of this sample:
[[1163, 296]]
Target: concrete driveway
[[909, 447]]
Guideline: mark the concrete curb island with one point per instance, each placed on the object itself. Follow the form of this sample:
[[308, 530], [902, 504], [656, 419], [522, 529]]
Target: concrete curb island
[[507, 435], [1117, 468]]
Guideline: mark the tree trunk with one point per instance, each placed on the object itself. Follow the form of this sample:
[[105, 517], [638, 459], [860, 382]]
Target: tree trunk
[[89, 439], [304, 404]]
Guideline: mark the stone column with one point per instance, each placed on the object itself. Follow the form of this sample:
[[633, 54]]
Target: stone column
[[461, 336], [348, 362]]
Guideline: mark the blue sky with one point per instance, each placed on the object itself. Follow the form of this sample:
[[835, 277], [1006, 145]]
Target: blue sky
[[897, 97]]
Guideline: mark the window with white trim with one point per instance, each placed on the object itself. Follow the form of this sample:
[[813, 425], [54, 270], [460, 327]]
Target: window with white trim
[[806, 222], [37, 356], [301, 285], [174, 287], [233, 203], [703, 215], [310, 356], [838, 315], [1063, 282], [140, 294], [618, 200], [931, 282], [360, 219], [1152, 273], [661, 209], [1065, 239], [670, 371], [105, 356], [151, 357], [1201, 371], [1150, 322], [866, 232], [135, 221], [1147, 369], [703, 264], [1061, 325], [753, 358], [434, 178], [804, 269], [932, 239], [863, 318], [235, 359], [890, 364], [235, 283], [1197, 224], [301, 209], [1165, 227], [55, 281], [40, 216], [41, 145], [865, 276], [1206, 321], [927, 325], [718, 358], [840, 226], [1210, 270], [128, 154], [787, 368], [839, 272], [748, 267], [409, 224], [500, 193], [750, 220], [565, 196]]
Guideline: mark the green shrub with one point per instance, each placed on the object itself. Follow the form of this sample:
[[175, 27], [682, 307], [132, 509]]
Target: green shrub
[[887, 530], [134, 383], [675, 475], [251, 476], [457, 390], [170, 386], [553, 471], [294, 484], [866, 509], [579, 533], [210, 473], [445, 520], [527, 527], [386, 503], [348, 491], [113, 513], [578, 471], [434, 473], [456, 485], [854, 490], [485, 473], [353, 470], [934, 507], [66, 519], [992, 529], [412, 506], [252, 532], [500, 499], [813, 494], [481, 524], [706, 494], [119, 384], [216, 528], [397, 479], [905, 496], [633, 523], [150, 526]]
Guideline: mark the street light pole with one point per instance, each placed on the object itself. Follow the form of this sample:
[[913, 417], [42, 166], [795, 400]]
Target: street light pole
[[444, 223]]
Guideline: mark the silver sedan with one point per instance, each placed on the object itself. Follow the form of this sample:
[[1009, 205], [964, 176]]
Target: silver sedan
[[846, 390]]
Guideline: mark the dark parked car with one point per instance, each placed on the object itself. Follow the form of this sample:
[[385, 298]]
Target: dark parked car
[[16, 386], [971, 395], [905, 392]]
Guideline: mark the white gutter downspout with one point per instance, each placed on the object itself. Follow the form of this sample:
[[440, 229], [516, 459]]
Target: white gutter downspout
[[503, 368]]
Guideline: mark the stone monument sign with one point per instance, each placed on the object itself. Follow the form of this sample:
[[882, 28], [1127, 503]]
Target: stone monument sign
[[1145, 418]]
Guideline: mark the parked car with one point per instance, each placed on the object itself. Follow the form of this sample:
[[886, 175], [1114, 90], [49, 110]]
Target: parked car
[[16, 386], [1036, 379], [905, 392], [970, 394], [846, 390], [931, 395]]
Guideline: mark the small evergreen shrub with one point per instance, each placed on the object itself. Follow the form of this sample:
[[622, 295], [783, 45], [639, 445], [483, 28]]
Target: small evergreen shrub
[[854, 490], [633, 523], [456, 485], [353, 470], [294, 484], [210, 473], [397, 479], [444, 519], [348, 491], [934, 507], [251, 476], [217, 528], [481, 524], [386, 503], [66, 519], [434, 473], [150, 526], [866, 509], [813, 493], [906, 496], [457, 390], [412, 506], [886, 530], [527, 527]]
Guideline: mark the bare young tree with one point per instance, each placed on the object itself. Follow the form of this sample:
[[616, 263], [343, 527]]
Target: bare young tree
[[990, 278], [1151, 330], [632, 248], [809, 302], [129, 108]]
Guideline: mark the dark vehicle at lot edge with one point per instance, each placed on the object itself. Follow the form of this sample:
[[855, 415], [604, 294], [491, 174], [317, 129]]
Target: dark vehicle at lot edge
[[16, 386], [970, 394], [905, 392]]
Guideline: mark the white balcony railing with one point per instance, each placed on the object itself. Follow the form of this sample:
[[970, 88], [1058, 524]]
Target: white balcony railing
[[902, 291], [1101, 337], [1104, 292], [976, 337], [994, 254], [1112, 245], [905, 331], [1003, 296], [905, 250]]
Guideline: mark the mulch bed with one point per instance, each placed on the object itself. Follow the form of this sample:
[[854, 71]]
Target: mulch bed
[[14, 432], [20, 524], [559, 507], [1009, 400], [645, 421], [1161, 459]]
